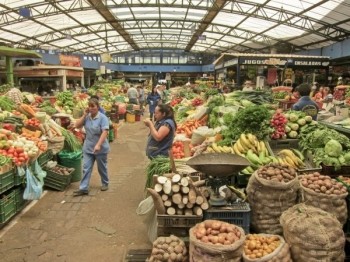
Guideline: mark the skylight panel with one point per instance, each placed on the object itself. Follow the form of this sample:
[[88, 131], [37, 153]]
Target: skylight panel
[[284, 31], [229, 20]]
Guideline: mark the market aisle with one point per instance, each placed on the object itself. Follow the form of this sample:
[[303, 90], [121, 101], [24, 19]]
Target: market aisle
[[98, 227]]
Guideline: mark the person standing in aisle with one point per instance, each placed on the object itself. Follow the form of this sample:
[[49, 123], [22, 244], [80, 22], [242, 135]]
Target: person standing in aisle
[[153, 99], [141, 93], [96, 146], [132, 95], [305, 103], [162, 132]]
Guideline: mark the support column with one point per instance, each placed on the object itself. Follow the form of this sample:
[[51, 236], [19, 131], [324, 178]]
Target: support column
[[64, 82], [9, 70]]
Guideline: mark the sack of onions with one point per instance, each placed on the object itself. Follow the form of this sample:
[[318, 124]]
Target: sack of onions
[[271, 190], [326, 193], [266, 248], [313, 234], [216, 241], [168, 249]]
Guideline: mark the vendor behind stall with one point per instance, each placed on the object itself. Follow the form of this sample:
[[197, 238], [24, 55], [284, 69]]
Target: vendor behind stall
[[305, 103]]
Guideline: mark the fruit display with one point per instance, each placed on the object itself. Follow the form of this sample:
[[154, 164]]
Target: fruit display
[[291, 157]]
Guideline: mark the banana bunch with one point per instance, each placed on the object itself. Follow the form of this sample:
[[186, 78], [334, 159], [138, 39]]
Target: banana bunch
[[82, 104], [248, 142], [291, 157], [215, 148]]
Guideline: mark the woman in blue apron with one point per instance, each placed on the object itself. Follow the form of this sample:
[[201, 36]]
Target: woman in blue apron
[[96, 146], [162, 132]]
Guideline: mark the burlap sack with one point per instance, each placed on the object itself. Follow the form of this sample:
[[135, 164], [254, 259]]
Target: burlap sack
[[56, 144], [334, 204], [203, 252], [280, 254], [313, 234], [268, 199]]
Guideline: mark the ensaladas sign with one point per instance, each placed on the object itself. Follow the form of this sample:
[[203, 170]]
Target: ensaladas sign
[[314, 62]]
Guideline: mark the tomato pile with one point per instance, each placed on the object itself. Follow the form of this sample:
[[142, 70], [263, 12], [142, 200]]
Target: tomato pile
[[197, 101], [278, 122], [178, 150], [19, 157], [32, 122], [175, 101]]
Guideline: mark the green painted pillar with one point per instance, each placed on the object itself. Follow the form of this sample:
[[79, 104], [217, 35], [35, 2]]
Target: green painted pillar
[[9, 70]]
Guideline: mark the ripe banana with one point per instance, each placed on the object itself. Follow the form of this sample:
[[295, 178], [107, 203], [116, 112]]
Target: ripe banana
[[252, 139], [245, 142], [263, 147], [240, 147], [215, 148], [289, 161]]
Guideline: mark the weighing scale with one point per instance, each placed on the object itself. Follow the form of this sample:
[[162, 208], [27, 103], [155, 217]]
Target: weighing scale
[[218, 167]]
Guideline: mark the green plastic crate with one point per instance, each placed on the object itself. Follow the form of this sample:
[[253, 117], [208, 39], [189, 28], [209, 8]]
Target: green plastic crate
[[7, 180], [57, 181], [20, 201], [7, 206], [45, 157]]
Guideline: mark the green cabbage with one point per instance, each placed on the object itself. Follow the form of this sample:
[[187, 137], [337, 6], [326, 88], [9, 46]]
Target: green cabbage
[[333, 148]]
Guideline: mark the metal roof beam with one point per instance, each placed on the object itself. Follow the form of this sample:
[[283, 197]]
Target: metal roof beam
[[109, 17], [212, 13]]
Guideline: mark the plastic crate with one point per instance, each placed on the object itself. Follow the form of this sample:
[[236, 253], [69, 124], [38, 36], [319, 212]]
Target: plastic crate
[[178, 225], [45, 157], [7, 180], [55, 184], [286, 104], [19, 200], [277, 145], [7, 206], [237, 214], [57, 181], [242, 180], [330, 171]]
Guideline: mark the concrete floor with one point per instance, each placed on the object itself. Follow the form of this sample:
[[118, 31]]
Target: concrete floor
[[100, 227]]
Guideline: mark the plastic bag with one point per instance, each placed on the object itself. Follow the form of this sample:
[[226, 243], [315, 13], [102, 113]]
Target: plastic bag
[[20, 171], [40, 173], [146, 209], [33, 188]]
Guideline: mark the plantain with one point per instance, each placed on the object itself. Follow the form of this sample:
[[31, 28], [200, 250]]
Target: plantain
[[238, 192]]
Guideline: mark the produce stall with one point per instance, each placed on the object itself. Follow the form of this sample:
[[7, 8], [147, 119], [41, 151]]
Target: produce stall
[[296, 167]]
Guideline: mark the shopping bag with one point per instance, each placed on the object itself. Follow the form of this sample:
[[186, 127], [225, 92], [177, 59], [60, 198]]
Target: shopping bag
[[33, 188]]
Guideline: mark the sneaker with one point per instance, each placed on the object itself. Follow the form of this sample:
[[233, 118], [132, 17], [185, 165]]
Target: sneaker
[[104, 188], [80, 192]]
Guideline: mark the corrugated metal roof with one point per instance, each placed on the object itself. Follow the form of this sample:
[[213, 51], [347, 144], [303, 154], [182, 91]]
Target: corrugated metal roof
[[213, 26]]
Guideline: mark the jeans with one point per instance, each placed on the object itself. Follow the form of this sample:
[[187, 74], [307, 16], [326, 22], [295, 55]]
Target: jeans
[[89, 160]]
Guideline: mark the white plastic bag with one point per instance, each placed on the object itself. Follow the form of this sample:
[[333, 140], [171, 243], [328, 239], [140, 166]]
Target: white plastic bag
[[33, 188], [146, 209]]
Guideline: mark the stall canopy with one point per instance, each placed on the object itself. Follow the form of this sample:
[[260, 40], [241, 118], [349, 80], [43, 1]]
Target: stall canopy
[[16, 52]]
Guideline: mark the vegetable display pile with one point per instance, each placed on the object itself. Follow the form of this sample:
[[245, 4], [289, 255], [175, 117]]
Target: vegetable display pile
[[322, 184], [257, 246], [61, 170], [174, 194], [257, 97], [278, 122], [253, 119], [217, 232], [327, 146], [157, 166], [296, 121], [168, 249], [277, 173], [7, 104]]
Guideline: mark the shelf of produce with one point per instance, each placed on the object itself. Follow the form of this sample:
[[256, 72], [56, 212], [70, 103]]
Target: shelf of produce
[[345, 131]]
